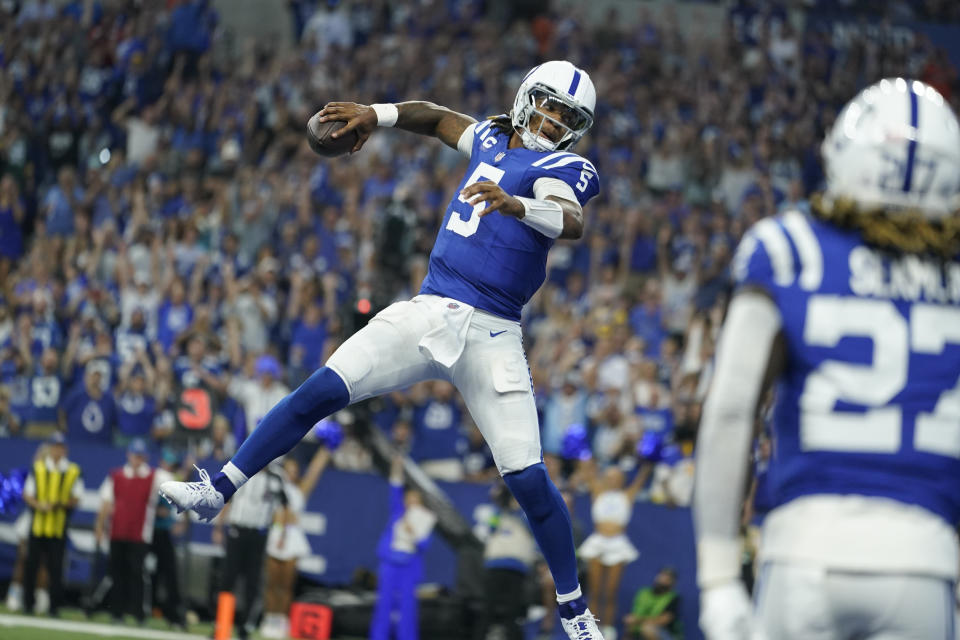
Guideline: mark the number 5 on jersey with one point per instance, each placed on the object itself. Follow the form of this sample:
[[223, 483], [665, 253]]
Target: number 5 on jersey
[[467, 227]]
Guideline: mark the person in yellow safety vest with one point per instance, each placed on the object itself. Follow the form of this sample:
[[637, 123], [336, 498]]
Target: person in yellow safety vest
[[656, 610], [21, 529], [52, 490]]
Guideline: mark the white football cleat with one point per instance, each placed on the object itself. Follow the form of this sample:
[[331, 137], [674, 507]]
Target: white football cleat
[[201, 496], [582, 627]]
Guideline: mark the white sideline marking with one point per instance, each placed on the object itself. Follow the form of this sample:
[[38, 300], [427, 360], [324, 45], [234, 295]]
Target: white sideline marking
[[93, 628]]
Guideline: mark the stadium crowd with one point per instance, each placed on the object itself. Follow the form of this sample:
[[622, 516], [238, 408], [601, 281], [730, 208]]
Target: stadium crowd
[[174, 259], [167, 239]]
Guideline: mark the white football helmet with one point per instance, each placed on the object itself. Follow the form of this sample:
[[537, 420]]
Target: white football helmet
[[896, 146], [566, 89]]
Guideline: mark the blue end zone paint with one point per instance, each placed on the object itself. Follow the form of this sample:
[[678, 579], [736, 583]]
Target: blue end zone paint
[[912, 145], [574, 83]]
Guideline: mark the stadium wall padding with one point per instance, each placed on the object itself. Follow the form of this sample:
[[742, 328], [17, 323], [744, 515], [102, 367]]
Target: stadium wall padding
[[349, 512]]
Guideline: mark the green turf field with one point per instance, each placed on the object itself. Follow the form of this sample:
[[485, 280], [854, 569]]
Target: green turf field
[[23, 633], [73, 625]]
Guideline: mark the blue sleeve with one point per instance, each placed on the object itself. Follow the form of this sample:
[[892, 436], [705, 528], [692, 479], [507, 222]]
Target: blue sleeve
[[396, 502], [423, 544], [751, 264], [576, 171]]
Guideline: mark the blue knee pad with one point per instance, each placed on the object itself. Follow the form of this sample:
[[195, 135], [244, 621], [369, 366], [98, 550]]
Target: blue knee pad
[[284, 426], [549, 521]]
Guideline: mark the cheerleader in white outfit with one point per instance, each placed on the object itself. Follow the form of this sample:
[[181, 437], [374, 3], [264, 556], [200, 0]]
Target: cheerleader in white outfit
[[608, 549], [287, 542]]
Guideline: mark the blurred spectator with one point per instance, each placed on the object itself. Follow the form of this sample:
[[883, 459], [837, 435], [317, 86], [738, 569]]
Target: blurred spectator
[[401, 551], [247, 518], [52, 491], [561, 410], [62, 202], [9, 421], [174, 315], [656, 610], [508, 557], [22, 528], [128, 498], [477, 460], [261, 392], [287, 542], [608, 549], [89, 412], [255, 307], [437, 430], [308, 335], [166, 527], [11, 225], [351, 455], [136, 400], [646, 318], [45, 394], [199, 366], [221, 444]]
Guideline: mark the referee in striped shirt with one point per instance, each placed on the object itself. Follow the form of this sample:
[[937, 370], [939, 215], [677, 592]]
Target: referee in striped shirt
[[248, 517]]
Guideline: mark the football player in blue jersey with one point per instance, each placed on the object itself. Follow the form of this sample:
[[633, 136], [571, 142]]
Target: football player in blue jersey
[[853, 313], [522, 190]]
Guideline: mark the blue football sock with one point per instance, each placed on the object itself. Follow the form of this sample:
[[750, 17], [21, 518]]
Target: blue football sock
[[573, 608], [284, 426], [549, 521]]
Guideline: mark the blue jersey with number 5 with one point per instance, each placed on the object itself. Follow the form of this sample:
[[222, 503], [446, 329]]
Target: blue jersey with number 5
[[869, 401], [496, 263]]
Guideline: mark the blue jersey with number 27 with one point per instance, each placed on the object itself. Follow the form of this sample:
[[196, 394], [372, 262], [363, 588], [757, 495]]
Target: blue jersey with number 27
[[496, 263], [869, 401]]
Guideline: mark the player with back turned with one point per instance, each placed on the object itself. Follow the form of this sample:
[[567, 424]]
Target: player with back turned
[[854, 313], [523, 189]]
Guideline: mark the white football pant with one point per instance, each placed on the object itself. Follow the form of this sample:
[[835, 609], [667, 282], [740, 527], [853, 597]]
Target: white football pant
[[795, 602], [407, 342]]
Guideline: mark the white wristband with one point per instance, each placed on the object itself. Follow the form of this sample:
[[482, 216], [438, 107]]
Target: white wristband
[[387, 114], [545, 216]]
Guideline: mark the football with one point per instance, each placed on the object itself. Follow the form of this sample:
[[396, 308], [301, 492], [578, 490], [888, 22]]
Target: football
[[320, 136]]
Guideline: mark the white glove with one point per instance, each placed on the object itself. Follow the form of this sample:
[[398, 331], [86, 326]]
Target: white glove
[[726, 612]]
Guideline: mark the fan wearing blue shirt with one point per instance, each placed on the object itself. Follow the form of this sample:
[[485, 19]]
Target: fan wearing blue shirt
[[400, 551], [308, 339], [89, 411], [174, 315], [46, 392], [437, 433], [135, 403]]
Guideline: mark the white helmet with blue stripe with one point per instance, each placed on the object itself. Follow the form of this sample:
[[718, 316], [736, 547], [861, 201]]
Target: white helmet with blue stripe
[[896, 146], [568, 91]]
